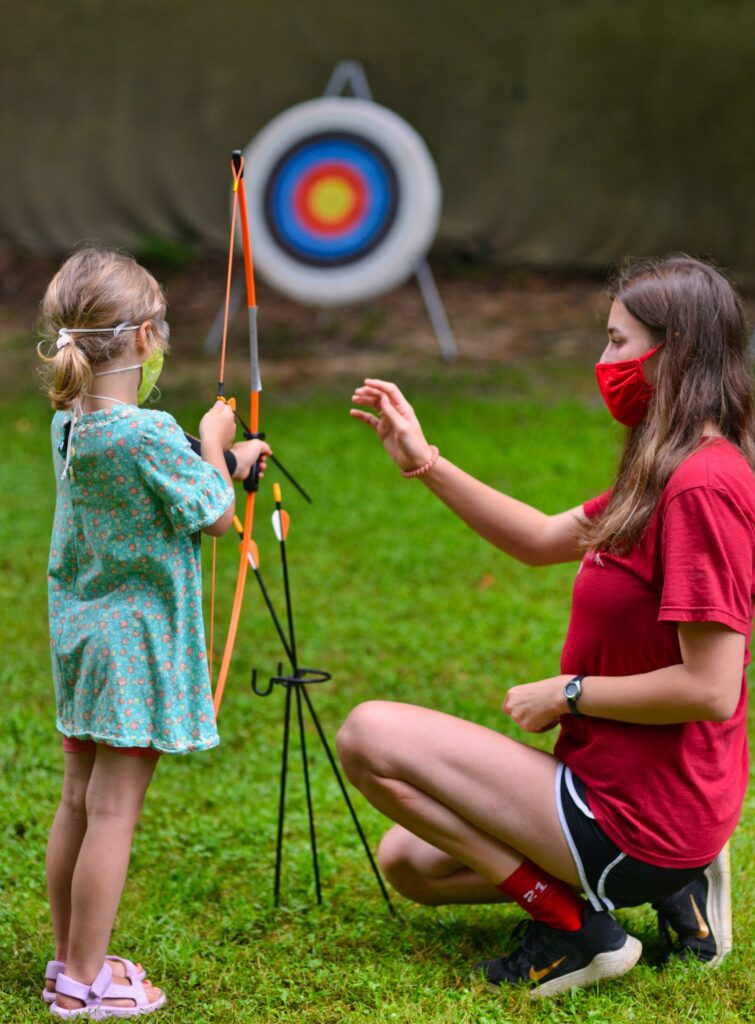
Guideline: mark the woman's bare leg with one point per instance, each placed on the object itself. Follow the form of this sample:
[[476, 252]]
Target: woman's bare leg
[[114, 799], [426, 875], [485, 800], [488, 803]]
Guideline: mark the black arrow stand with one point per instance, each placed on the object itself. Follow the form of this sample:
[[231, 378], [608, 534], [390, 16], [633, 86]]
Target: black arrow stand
[[295, 684]]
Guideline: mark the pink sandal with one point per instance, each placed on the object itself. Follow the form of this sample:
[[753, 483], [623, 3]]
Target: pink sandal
[[101, 988], [55, 967]]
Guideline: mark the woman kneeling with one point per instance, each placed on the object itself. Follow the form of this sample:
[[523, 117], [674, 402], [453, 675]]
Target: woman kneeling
[[647, 778]]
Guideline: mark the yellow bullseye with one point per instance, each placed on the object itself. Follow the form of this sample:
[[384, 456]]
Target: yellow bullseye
[[331, 199]]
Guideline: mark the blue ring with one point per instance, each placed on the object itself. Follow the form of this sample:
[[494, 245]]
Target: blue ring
[[298, 240]]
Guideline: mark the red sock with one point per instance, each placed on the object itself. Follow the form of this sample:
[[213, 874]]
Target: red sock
[[544, 897]]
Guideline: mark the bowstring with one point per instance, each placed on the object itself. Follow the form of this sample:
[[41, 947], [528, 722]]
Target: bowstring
[[221, 390]]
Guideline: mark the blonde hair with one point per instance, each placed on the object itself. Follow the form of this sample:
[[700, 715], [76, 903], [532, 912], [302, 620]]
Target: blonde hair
[[96, 288]]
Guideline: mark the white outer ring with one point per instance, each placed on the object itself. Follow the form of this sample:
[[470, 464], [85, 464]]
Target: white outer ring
[[404, 247]]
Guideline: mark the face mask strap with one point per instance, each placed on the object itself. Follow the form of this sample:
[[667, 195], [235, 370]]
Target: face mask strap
[[646, 355], [118, 369], [125, 326]]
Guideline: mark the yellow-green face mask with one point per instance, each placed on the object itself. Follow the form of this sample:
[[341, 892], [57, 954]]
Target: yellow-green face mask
[[151, 367], [151, 370]]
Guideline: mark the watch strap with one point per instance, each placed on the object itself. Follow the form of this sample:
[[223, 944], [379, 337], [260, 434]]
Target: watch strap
[[572, 701]]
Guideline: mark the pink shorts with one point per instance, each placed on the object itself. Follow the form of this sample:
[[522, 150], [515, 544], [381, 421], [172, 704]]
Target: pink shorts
[[74, 746]]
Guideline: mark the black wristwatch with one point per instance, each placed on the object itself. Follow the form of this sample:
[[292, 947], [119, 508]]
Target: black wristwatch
[[572, 692]]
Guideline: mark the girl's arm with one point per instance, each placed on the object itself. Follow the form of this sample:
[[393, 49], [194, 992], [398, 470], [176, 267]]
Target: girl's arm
[[216, 431], [239, 458], [705, 687], [520, 530], [196, 446]]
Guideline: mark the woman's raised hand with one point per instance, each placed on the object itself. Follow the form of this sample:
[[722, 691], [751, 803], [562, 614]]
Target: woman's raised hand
[[393, 421]]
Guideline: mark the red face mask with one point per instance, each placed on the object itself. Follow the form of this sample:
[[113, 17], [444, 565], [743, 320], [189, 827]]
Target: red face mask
[[625, 388]]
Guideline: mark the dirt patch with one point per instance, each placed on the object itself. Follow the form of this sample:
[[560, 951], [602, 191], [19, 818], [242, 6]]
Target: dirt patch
[[498, 318]]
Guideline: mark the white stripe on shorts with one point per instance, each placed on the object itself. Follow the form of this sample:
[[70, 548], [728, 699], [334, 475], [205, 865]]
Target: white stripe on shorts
[[575, 796], [602, 882], [568, 836]]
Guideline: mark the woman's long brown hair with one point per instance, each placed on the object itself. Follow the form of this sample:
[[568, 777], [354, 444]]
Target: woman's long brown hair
[[703, 378]]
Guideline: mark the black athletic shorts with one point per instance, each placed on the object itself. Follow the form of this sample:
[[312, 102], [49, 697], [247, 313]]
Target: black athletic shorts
[[609, 877]]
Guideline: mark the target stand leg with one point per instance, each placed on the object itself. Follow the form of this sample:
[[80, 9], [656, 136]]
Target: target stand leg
[[213, 341], [436, 311], [349, 74]]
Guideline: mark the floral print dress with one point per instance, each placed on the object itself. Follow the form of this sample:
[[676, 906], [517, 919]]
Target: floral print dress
[[125, 584]]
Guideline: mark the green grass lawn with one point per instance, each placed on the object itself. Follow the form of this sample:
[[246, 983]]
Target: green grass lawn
[[397, 600]]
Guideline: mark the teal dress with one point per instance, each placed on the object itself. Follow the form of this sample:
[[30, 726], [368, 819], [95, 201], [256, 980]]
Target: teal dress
[[125, 584]]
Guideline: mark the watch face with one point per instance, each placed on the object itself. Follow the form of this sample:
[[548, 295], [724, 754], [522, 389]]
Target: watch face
[[572, 690]]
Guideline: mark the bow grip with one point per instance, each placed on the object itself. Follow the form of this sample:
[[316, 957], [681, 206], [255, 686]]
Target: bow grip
[[252, 482]]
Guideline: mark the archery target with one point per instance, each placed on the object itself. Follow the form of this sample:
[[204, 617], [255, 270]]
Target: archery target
[[343, 200]]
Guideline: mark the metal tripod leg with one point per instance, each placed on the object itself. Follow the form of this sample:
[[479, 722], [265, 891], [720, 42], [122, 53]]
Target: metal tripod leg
[[282, 797], [344, 791], [312, 838]]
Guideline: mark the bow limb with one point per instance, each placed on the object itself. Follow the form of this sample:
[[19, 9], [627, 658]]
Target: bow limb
[[238, 599], [248, 547]]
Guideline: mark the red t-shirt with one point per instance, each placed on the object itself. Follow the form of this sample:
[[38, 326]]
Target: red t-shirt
[[667, 794]]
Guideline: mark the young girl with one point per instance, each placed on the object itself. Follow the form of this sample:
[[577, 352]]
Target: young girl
[[649, 771], [128, 649]]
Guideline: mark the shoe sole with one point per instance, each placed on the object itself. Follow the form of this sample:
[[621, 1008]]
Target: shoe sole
[[105, 1012], [718, 905], [603, 967]]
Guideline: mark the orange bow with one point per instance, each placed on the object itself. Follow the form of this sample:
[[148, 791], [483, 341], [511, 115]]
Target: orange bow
[[248, 546]]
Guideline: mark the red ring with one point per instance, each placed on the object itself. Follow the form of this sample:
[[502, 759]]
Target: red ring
[[308, 181]]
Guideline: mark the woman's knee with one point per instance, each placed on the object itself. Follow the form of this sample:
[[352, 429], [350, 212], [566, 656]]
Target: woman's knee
[[396, 857], [363, 736], [393, 853]]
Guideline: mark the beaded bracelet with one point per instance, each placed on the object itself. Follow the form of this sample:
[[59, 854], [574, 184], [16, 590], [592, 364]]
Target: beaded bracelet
[[434, 453]]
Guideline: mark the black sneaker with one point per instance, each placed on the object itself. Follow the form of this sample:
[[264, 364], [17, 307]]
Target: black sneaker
[[599, 950], [700, 915]]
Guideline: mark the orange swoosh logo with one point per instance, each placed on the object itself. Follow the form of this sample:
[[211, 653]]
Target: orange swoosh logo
[[539, 975], [704, 931]]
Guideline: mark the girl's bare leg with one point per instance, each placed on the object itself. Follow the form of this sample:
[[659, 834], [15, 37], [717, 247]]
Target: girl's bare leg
[[66, 836], [114, 800], [486, 801]]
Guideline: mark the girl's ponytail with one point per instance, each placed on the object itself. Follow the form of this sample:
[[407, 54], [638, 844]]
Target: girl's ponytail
[[71, 374]]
